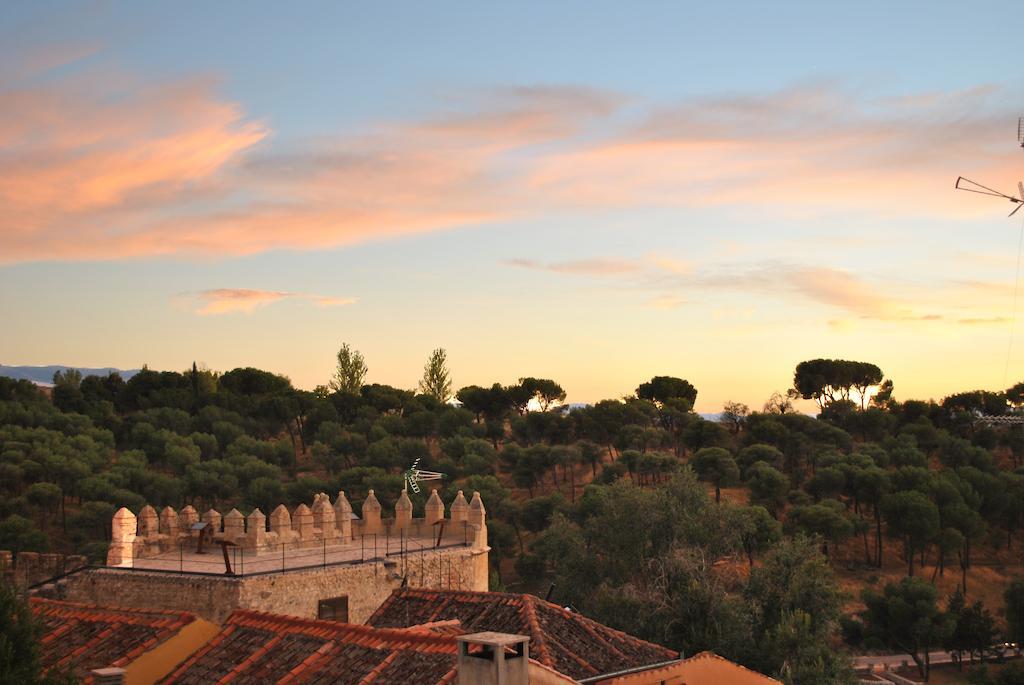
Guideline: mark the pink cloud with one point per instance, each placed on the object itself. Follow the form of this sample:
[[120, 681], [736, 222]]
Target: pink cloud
[[244, 300], [93, 169], [600, 266], [814, 148]]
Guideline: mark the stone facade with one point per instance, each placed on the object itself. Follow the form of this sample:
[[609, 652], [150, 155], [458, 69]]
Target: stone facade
[[30, 568], [307, 555], [293, 593]]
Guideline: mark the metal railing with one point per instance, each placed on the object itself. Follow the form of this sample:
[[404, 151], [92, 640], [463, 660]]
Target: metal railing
[[225, 558]]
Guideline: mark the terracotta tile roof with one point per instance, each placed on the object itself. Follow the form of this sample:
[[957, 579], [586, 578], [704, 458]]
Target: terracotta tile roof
[[705, 668], [563, 640], [262, 648], [452, 627], [85, 637]]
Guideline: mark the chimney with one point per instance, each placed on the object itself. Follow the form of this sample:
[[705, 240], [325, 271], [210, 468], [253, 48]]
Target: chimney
[[493, 659], [108, 676]]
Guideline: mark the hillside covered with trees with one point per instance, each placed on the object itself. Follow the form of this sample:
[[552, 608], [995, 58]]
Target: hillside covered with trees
[[769, 536]]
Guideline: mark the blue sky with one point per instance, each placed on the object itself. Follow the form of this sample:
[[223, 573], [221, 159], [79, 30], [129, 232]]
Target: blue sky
[[595, 192]]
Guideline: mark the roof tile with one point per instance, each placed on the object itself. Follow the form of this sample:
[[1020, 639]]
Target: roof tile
[[566, 641], [87, 637]]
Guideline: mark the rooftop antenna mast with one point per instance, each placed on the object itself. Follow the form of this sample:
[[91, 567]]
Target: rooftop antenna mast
[[970, 186]]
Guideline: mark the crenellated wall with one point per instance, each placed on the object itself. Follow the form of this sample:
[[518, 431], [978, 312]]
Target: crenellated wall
[[448, 553], [30, 568], [150, 535]]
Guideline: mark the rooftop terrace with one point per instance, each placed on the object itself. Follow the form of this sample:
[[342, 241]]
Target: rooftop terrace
[[324, 534]]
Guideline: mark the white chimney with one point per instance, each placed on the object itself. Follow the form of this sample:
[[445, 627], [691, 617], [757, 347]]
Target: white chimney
[[493, 659]]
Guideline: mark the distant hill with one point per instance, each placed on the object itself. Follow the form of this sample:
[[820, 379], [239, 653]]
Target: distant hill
[[43, 375]]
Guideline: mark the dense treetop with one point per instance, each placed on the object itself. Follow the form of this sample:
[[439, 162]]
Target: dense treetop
[[697, 534]]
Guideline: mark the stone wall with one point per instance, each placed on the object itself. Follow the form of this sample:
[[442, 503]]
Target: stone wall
[[29, 568], [293, 593]]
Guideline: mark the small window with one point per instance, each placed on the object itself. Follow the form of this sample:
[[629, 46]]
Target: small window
[[335, 609]]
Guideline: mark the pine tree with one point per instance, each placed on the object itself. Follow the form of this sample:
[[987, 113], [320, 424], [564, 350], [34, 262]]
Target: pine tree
[[19, 643], [437, 380], [351, 371]]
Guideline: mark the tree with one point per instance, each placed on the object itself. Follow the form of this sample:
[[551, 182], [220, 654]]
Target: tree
[[547, 392], [906, 618], [883, 397], [661, 389], [716, 466], [871, 486], [865, 376], [828, 380], [437, 379], [351, 371], [768, 487], [794, 603], [1014, 598], [973, 629], [750, 455], [20, 657], [18, 534], [734, 414], [758, 530], [778, 404], [976, 402], [67, 391], [827, 519], [913, 517], [45, 497], [486, 403]]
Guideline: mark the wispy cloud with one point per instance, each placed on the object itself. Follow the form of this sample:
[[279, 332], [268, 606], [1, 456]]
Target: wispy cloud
[[986, 320], [669, 281], [810, 148], [111, 168], [665, 302], [601, 266], [244, 300]]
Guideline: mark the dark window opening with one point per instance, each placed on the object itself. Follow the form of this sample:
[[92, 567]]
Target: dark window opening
[[335, 609], [478, 651]]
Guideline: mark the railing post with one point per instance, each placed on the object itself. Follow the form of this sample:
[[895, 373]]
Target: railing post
[[362, 546], [282, 556], [181, 557], [325, 552]]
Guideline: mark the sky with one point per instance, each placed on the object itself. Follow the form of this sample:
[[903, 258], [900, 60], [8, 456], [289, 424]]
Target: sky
[[595, 192]]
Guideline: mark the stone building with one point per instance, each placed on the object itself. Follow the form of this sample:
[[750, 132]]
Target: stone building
[[315, 561]]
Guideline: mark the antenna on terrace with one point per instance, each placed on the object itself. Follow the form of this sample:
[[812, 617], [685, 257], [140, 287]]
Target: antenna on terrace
[[414, 475], [970, 186], [1020, 131]]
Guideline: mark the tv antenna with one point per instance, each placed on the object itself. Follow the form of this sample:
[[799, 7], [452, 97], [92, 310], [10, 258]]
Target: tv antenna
[[414, 475], [970, 186]]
